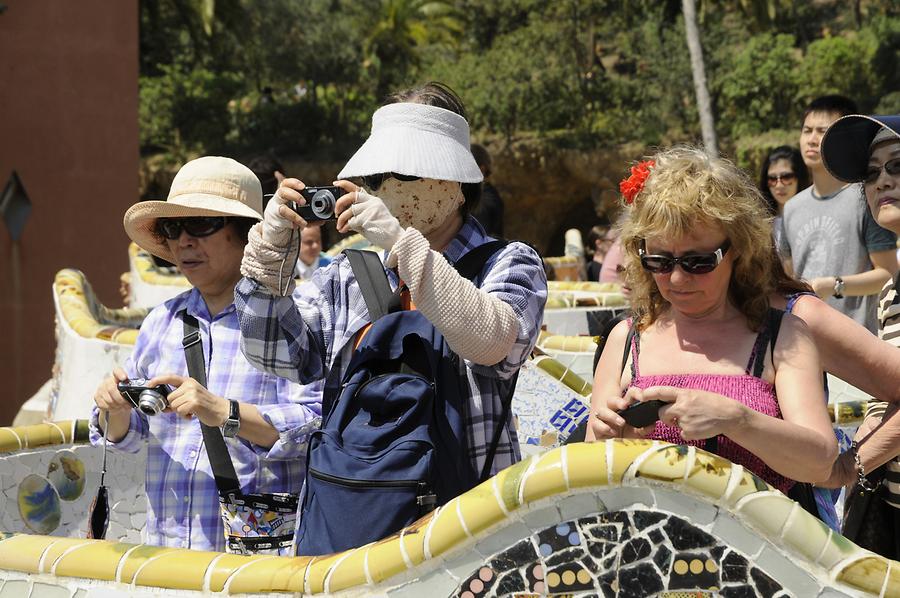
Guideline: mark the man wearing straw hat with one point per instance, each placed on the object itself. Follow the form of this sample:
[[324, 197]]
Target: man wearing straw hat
[[420, 181], [202, 228]]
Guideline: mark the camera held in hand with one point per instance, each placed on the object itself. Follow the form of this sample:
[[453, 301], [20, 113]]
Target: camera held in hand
[[319, 203], [150, 400]]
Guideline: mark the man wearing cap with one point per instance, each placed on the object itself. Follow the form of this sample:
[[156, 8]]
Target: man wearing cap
[[829, 236], [202, 228], [420, 182]]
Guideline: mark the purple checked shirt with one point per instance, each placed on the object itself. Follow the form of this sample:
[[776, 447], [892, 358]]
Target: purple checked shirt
[[183, 503], [308, 336]]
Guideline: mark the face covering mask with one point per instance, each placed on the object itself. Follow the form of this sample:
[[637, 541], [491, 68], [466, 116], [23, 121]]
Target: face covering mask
[[423, 204]]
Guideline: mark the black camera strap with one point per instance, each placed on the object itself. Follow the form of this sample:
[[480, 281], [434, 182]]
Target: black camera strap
[[219, 459]]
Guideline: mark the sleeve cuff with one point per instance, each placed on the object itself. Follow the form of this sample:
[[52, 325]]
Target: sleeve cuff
[[132, 441], [294, 424]]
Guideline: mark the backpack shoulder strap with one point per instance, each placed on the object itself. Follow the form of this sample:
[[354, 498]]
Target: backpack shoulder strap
[[472, 263], [373, 282], [219, 459]]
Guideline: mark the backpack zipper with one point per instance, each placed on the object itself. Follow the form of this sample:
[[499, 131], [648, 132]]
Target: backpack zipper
[[366, 483]]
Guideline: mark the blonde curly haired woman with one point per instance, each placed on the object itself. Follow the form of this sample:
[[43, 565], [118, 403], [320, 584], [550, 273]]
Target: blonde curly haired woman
[[733, 375]]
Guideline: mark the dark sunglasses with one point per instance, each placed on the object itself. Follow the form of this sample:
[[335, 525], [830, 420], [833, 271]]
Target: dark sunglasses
[[785, 179], [197, 226], [892, 167], [373, 181], [692, 263]]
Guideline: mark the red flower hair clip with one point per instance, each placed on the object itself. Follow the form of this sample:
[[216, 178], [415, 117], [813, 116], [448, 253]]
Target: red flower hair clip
[[633, 185]]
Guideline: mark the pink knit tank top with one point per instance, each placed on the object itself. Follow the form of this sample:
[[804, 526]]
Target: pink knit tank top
[[747, 388]]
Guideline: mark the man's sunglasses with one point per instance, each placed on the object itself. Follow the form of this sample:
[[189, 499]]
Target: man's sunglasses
[[785, 179], [892, 167], [196, 226], [693, 263], [373, 181]]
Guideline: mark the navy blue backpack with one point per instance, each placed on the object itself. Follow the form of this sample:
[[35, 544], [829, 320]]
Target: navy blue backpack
[[392, 445]]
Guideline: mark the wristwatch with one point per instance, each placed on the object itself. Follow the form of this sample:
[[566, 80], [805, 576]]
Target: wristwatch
[[232, 425], [838, 288]]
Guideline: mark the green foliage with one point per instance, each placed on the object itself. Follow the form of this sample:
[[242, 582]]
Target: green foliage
[[758, 92], [302, 78]]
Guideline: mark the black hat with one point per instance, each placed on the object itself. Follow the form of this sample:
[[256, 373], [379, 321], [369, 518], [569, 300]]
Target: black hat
[[847, 142]]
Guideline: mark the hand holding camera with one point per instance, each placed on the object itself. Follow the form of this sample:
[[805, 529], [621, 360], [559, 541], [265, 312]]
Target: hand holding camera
[[191, 399], [146, 398], [367, 215]]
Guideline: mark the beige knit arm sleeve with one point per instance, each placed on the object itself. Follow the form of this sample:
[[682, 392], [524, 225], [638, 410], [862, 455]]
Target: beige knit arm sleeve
[[269, 264], [478, 327]]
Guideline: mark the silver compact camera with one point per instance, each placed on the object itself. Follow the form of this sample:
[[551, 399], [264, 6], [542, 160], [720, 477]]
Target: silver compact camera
[[150, 400], [319, 203]]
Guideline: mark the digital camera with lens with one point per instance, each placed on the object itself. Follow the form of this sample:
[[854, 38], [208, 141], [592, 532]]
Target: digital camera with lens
[[319, 203], [150, 400]]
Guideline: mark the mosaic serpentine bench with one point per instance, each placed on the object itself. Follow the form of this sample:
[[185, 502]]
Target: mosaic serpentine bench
[[626, 518], [149, 284]]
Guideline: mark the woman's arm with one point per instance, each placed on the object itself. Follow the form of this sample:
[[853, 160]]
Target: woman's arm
[[851, 352], [606, 396], [801, 446]]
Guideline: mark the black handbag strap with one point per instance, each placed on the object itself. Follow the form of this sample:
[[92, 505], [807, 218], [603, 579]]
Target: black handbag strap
[[219, 459]]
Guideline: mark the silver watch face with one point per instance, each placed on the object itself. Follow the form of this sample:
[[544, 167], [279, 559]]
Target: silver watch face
[[230, 428]]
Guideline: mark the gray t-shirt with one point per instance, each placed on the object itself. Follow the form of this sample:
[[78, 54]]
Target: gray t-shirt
[[831, 236]]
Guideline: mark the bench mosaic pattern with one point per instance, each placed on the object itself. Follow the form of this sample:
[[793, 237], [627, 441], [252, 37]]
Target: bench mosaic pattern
[[606, 517]]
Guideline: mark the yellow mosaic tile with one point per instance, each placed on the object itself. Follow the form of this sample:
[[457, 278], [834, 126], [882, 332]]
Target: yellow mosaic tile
[[547, 478], [93, 560], [893, 585], [746, 484], [270, 575], [586, 464], [508, 480], [318, 571], [480, 508], [385, 560], [866, 574], [57, 549], [23, 552], [224, 567], [412, 542], [768, 512], [668, 464], [178, 569], [349, 572], [577, 344], [806, 534], [709, 474], [137, 557], [447, 530], [40, 435], [9, 441], [837, 550], [624, 453]]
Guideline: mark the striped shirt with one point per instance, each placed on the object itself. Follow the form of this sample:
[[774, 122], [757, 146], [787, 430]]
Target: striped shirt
[[309, 336], [889, 330], [183, 501]]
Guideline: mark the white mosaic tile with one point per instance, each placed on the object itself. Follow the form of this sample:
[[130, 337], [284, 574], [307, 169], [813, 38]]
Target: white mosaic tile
[[615, 499], [541, 518], [43, 590], [696, 511], [733, 533], [580, 505], [14, 588], [501, 539], [783, 570]]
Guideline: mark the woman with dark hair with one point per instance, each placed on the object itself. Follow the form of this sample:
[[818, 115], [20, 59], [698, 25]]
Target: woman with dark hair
[[782, 175]]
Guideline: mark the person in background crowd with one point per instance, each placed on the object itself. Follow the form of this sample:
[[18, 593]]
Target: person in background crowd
[[489, 211], [599, 240], [202, 228], [270, 173], [738, 378], [311, 257], [829, 237], [783, 173]]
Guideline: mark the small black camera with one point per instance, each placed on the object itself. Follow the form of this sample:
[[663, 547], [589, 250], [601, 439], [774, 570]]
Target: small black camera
[[150, 400], [319, 203]]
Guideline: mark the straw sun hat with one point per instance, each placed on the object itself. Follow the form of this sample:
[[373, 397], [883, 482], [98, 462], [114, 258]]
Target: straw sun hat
[[208, 186], [416, 140]]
